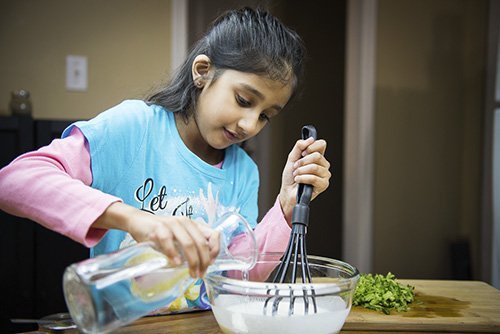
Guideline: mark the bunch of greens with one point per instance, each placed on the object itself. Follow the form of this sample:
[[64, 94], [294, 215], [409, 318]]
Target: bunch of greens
[[382, 293]]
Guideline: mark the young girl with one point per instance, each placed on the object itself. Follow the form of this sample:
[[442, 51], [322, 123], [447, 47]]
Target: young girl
[[162, 168]]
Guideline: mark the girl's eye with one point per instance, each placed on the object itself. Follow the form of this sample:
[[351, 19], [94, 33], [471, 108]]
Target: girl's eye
[[242, 102], [264, 117]]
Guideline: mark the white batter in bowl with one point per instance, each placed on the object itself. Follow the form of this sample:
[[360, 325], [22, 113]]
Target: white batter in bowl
[[245, 306]]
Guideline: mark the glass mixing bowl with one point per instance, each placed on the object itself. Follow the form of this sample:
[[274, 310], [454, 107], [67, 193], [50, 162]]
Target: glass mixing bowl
[[248, 302]]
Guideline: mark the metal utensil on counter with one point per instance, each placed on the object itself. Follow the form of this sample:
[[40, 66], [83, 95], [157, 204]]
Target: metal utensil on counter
[[295, 257], [53, 322]]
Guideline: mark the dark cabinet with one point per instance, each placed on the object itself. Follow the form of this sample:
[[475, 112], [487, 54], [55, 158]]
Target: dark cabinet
[[33, 258]]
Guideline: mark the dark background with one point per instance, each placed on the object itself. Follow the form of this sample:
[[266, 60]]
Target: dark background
[[33, 258]]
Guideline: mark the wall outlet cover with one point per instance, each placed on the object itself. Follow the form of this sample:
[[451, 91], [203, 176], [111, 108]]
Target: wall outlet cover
[[76, 73]]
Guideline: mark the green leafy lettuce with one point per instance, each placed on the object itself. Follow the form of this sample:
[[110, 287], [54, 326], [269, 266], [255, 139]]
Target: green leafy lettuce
[[382, 293]]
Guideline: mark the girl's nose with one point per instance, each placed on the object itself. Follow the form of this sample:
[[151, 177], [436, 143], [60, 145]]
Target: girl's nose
[[248, 125]]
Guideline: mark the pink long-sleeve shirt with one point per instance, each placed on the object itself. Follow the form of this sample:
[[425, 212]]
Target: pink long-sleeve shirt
[[51, 186]]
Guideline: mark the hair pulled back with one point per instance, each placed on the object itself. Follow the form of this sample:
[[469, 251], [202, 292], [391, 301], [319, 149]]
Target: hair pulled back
[[245, 40]]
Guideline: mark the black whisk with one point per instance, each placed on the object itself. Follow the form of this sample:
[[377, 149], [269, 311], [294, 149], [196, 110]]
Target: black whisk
[[296, 249]]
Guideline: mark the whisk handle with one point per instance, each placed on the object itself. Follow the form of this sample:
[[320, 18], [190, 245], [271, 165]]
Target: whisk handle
[[300, 212], [304, 193], [309, 131]]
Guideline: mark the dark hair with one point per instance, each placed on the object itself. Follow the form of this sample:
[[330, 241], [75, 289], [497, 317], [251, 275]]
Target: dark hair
[[246, 40]]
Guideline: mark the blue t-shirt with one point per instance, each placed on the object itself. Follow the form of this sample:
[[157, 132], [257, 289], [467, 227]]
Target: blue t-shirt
[[138, 155]]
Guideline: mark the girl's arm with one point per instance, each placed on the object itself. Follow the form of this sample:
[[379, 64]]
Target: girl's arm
[[50, 187]]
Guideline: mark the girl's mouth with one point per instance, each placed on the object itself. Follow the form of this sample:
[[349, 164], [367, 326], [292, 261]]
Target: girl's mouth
[[231, 136]]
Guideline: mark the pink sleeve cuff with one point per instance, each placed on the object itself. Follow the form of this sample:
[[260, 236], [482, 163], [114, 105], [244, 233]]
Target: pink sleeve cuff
[[273, 232]]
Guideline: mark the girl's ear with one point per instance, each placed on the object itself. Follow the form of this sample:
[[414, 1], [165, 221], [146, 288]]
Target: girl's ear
[[200, 69]]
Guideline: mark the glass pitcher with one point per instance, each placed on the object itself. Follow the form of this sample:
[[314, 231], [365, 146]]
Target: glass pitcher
[[112, 290]]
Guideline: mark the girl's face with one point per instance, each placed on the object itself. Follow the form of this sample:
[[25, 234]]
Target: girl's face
[[237, 106]]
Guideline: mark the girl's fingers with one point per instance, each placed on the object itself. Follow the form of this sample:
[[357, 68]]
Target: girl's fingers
[[165, 240], [312, 169], [306, 164], [201, 244], [214, 245], [312, 159], [187, 245], [296, 152], [203, 227], [318, 183], [316, 146], [213, 238]]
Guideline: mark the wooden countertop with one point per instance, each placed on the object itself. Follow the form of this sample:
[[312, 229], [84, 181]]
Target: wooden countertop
[[202, 322], [440, 306]]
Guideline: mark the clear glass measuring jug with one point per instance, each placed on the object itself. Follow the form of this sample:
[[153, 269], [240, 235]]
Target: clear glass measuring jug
[[112, 290]]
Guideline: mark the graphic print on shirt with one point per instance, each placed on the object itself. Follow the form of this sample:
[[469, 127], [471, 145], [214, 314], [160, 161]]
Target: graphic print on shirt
[[200, 207]]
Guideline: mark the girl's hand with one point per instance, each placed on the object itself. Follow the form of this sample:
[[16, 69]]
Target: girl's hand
[[306, 164], [198, 243]]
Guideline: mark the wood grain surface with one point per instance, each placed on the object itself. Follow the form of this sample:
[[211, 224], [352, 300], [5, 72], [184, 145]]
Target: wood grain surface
[[188, 323], [439, 306]]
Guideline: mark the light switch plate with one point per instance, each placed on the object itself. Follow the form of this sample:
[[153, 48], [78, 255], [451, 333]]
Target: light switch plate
[[76, 73]]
